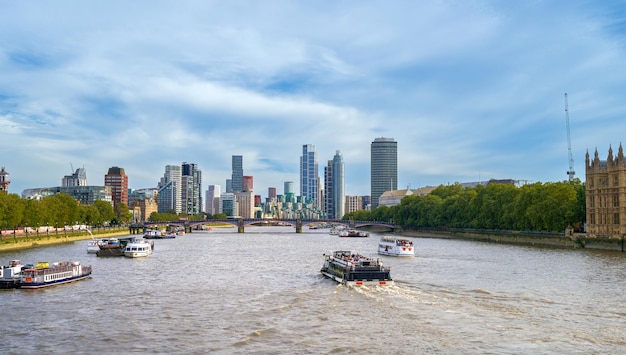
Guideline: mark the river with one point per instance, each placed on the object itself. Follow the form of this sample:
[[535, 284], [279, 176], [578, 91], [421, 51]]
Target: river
[[261, 293]]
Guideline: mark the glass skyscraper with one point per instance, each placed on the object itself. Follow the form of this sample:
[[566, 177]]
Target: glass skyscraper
[[309, 176], [334, 182], [384, 168], [237, 175]]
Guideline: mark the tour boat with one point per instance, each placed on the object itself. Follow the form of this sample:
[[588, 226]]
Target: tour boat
[[394, 246], [355, 270], [44, 275], [138, 248]]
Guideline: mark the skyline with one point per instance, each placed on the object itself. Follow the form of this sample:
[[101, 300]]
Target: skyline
[[470, 90]]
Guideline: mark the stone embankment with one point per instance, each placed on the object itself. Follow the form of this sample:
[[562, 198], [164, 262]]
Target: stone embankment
[[11, 243], [572, 241]]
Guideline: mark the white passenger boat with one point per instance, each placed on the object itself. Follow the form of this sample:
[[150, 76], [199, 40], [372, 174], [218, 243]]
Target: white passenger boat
[[138, 248], [44, 275], [394, 246]]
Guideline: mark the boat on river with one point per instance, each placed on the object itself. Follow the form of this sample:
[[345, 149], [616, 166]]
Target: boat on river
[[44, 275], [10, 276], [352, 269], [114, 246], [138, 248], [353, 233], [395, 246]]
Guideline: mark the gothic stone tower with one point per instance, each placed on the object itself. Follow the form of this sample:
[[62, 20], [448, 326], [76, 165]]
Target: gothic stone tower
[[606, 194], [4, 181]]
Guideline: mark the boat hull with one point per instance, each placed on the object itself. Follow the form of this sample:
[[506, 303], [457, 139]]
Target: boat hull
[[35, 285]]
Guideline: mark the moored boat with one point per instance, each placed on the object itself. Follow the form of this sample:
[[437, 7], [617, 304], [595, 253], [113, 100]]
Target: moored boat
[[394, 246], [93, 246], [10, 277], [353, 269], [44, 275], [138, 248], [153, 234], [110, 247]]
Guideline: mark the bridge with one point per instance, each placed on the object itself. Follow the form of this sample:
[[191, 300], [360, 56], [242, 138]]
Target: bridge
[[240, 223]]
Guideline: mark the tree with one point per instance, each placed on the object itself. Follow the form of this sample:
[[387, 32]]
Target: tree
[[105, 210]]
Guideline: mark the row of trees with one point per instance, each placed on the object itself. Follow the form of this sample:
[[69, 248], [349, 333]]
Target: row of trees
[[534, 207], [57, 211]]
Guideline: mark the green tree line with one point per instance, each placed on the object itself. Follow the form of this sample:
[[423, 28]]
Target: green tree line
[[534, 207], [57, 211]]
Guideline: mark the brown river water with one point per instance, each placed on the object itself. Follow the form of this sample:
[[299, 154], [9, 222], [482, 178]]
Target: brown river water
[[261, 292]]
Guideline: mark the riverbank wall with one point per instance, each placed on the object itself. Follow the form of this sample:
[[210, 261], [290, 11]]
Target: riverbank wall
[[554, 240], [32, 240]]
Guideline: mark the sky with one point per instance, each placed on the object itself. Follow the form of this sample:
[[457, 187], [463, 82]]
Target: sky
[[471, 90]]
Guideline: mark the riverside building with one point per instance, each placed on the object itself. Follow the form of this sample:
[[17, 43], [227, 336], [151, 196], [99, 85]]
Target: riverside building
[[606, 194]]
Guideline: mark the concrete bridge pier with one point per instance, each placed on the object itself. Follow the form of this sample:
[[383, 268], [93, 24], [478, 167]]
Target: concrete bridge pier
[[298, 225], [240, 225]]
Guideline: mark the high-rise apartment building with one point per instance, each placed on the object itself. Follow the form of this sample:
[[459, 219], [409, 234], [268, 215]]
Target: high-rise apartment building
[[117, 179], [191, 188], [271, 194], [309, 175], [384, 168], [78, 178], [213, 199], [334, 188], [237, 175], [288, 188], [248, 183], [169, 196]]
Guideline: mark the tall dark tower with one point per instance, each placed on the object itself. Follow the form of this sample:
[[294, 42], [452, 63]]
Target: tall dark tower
[[384, 174], [237, 175], [4, 181]]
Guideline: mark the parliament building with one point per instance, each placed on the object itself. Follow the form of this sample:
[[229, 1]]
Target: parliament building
[[606, 194]]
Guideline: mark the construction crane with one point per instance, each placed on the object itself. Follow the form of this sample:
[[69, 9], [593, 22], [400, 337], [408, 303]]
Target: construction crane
[[571, 171]]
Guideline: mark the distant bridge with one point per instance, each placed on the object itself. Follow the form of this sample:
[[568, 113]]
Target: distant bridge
[[242, 222]]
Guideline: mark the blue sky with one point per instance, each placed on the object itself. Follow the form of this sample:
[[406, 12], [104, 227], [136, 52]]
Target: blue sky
[[469, 89]]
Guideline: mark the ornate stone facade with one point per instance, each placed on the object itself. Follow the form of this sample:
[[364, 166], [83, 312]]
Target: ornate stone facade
[[606, 194]]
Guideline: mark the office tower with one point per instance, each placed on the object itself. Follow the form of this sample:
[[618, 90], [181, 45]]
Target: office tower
[[229, 186], [4, 181], [191, 188], [169, 196], [79, 178], [237, 176], [212, 199], [384, 168], [228, 204], [248, 183], [309, 177], [118, 181]]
